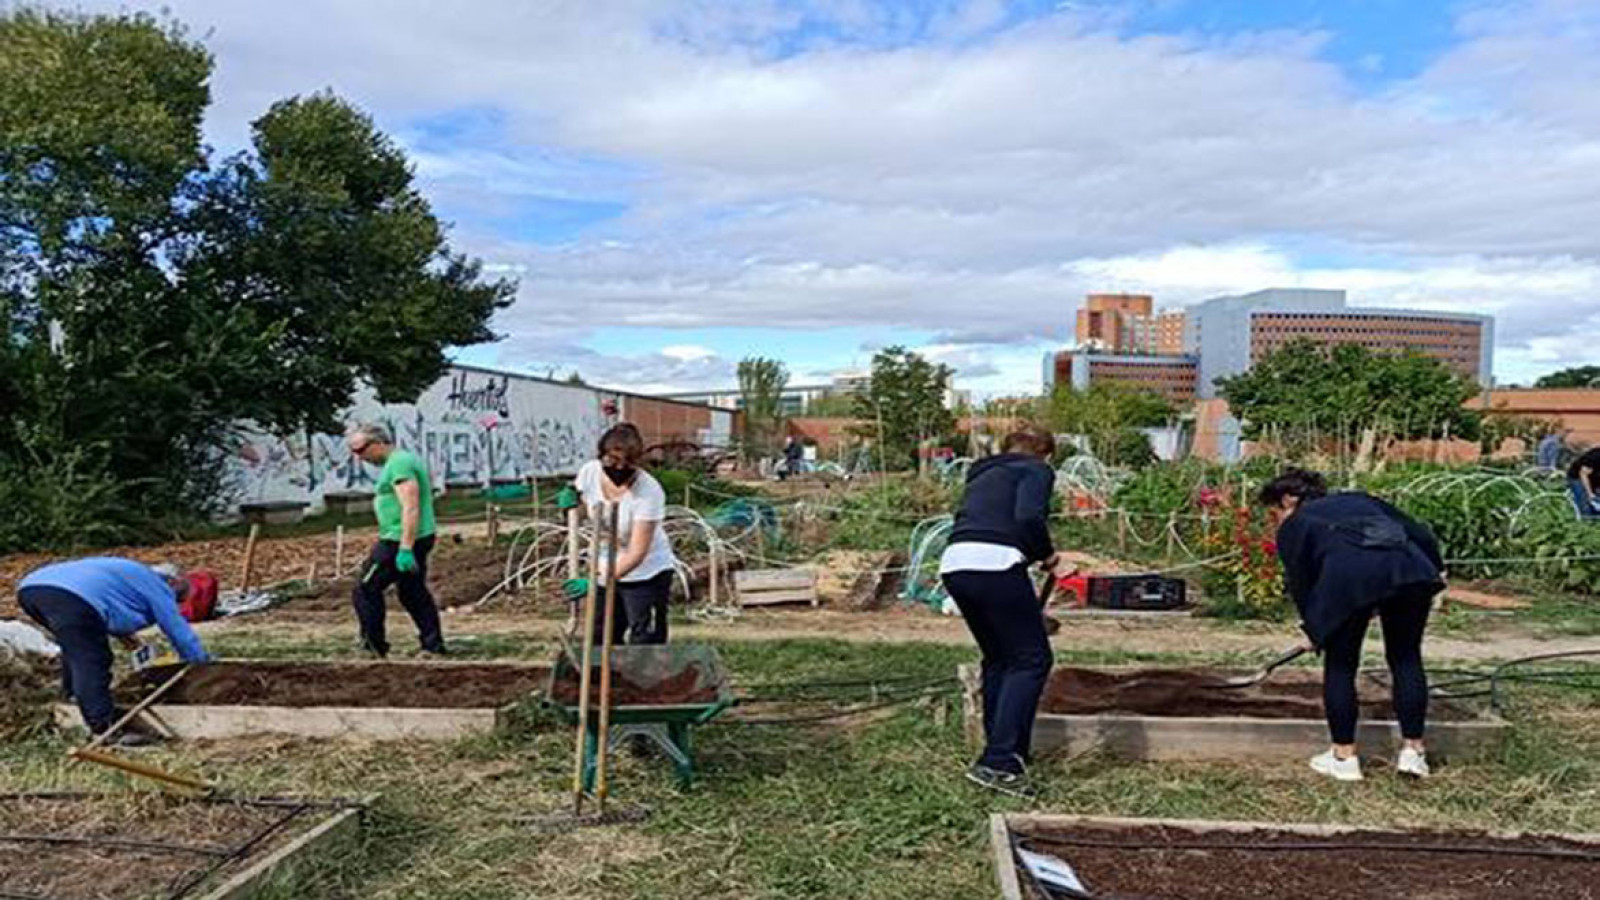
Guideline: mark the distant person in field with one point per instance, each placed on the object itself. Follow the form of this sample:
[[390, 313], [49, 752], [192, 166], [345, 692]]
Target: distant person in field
[[1548, 453], [645, 561], [1347, 557], [1002, 528], [84, 603], [1584, 479], [403, 503], [794, 453]]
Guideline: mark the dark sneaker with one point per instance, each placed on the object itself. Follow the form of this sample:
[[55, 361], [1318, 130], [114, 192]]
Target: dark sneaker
[[132, 739], [1012, 784]]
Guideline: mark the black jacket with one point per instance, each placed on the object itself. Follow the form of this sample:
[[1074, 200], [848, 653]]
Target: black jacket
[[1008, 502], [1347, 552]]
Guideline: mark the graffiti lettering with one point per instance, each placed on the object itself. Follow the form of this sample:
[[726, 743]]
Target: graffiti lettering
[[489, 398]]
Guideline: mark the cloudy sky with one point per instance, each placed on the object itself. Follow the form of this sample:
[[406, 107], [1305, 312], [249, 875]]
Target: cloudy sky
[[680, 183]]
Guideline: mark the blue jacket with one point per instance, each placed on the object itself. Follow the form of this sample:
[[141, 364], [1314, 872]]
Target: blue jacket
[[129, 595], [1008, 502], [1346, 552]]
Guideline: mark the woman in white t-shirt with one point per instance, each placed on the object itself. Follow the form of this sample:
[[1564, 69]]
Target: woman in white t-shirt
[[644, 554]]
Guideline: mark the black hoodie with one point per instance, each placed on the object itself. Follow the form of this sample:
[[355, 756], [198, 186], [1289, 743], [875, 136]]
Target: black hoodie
[[1346, 552], [1008, 503]]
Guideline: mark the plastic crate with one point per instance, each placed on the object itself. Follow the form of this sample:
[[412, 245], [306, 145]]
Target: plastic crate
[[1137, 592]]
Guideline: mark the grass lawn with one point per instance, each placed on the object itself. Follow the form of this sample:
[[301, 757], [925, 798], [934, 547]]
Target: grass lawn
[[869, 808]]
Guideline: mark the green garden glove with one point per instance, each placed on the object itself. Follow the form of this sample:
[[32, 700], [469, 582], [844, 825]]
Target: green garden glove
[[405, 561], [576, 588], [567, 498]]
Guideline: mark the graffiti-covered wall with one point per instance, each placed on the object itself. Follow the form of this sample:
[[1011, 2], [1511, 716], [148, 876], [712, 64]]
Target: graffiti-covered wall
[[473, 427]]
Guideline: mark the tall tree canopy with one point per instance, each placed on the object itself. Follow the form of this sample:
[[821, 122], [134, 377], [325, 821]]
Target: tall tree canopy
[[906, 397], [761, 384], [152, 300], [1578, 377], [1306, 394]]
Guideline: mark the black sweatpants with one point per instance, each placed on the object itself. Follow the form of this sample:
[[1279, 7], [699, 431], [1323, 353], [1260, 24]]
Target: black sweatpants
[[641, 613], [1404, 617], [85, 650], [376, 576], [1002, 612]]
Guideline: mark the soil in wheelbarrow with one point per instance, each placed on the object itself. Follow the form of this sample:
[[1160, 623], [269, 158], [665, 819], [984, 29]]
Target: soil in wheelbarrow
[[686, 688], [1163, 863], [1199, 693], [359, 685]]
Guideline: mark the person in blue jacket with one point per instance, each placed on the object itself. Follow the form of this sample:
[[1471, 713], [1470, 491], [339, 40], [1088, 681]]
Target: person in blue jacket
[[85, 602], [1003, 527], [1346, 558]]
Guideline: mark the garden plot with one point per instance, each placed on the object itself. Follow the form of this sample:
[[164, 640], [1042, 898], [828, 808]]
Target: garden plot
[[144, 846], [1182, 714], [1156, 859], [382, 700]]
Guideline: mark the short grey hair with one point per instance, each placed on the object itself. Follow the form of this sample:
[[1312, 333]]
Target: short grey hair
[[166, 570], [372, 431]]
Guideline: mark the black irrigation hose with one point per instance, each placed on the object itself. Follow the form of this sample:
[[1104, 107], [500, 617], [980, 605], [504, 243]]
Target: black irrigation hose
[[844, 714], [802, 693], [184, 887], [1556, 853], [115, 844], [9, 895]]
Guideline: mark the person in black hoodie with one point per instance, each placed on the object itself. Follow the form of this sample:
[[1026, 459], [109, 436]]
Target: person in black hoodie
[[1003, 527], [1348, 557]]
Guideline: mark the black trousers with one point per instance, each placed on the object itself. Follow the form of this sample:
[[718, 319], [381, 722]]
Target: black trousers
[[376, 577], [1002, 612], [1404, 617], [641, 613], [85, 650]]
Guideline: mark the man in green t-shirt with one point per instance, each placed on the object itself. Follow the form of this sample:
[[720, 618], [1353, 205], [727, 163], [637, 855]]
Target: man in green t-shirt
[[403, 501]]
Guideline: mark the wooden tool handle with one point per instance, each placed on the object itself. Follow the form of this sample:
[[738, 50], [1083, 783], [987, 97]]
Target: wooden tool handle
[[133, 767], [143, 705]]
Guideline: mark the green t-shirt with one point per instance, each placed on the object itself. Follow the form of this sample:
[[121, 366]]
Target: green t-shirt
[[401, 466]]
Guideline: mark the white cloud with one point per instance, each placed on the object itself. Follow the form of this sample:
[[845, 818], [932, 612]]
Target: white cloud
[[972, 184]]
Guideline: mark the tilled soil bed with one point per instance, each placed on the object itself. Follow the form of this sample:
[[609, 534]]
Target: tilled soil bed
[[375, 685], [74, 847], [1166, 863], [459, 574], [1293, 694]]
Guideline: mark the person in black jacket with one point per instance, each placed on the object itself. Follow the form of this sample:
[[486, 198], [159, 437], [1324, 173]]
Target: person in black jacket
[[1002, 527], [1345, 558]]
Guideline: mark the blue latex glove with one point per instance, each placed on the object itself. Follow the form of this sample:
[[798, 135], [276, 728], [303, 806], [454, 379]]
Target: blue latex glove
[[405, 561]]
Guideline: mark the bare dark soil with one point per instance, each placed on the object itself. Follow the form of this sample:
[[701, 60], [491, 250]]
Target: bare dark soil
[[1195, 692], [360, 685], [458, 575], [683, 688], [1159, 863], [70, 871]]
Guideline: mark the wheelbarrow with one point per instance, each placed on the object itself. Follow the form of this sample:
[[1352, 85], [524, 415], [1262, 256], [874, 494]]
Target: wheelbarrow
[[660, 692]]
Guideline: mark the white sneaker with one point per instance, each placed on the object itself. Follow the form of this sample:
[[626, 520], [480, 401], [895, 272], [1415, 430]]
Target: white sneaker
[[1413, 763], [1336, 768]]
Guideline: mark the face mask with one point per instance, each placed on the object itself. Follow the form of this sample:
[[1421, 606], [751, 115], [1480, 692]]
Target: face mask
[[620, 476]]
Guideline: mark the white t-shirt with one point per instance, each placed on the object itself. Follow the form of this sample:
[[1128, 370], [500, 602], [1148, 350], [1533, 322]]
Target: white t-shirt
[[975, 557], [644, 501]]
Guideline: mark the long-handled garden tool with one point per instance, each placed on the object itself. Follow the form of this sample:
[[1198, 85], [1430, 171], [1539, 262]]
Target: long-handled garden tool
[[584, 672], [604, 738], [1260, 675], [92, 752]]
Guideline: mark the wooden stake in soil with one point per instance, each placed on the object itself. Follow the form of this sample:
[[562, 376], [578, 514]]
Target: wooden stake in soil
[[249, 557], [602, 747], [572, 543], [491, 515], [584, 669], [338, 552], [1122, 531]]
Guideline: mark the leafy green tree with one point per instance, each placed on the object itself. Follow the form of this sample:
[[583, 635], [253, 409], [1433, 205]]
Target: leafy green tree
[[1579, 377], [761, 384], [904, 404], [1109, 414], [152, 301], [1307, 395], [832, 406]]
